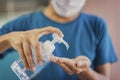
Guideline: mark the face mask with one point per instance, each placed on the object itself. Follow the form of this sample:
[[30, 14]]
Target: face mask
[[67, 8]]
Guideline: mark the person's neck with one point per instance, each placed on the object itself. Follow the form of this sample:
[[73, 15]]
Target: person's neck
[[51, 14]]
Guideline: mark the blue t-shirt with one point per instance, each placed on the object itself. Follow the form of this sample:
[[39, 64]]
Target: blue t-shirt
[[87, 35]]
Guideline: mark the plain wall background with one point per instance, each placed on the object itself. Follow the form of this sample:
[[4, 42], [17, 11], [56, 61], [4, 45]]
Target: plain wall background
[[110, 11]]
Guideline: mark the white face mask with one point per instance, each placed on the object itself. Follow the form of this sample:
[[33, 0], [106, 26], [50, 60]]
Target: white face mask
[[67, 8]]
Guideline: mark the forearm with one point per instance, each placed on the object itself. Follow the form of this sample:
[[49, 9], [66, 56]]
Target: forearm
[[91, 75], [4, 43]]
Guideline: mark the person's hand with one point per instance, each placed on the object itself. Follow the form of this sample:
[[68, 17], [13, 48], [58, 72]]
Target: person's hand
[[23, 40], [72, 66]]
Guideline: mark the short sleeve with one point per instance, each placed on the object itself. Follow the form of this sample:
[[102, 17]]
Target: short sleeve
[[105, 52], [18, 24]]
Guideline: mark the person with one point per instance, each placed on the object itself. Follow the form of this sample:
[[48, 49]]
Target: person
[[86, 34]]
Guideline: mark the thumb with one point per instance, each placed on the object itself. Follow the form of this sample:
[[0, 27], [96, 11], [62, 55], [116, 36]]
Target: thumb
[[54, 59]]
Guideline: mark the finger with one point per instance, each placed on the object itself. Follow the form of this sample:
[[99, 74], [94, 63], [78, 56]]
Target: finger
[[54, 59], [51, 30], [28, 54], [71, 64], [22, 56], [41, 34], [62, 65], [66, 68], [37, 48]]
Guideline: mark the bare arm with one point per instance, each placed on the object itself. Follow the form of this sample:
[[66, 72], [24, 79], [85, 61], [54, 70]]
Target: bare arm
[[4, 43], [22, 41], [101, 73]]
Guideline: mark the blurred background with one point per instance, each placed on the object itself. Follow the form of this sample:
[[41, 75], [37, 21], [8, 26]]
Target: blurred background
[[107, 9]]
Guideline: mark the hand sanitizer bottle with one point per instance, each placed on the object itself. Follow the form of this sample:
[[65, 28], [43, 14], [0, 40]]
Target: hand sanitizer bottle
[[47, 50]]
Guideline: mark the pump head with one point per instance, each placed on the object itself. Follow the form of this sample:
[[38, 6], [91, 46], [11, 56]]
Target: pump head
[[58, 39]]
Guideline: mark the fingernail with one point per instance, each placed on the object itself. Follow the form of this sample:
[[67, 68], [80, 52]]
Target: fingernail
[[60, 60], [40, 63], [27, 68], [33, 68], [55, 59]]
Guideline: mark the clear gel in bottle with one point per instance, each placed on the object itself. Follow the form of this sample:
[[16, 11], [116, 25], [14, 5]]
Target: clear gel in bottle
[[47, 50]]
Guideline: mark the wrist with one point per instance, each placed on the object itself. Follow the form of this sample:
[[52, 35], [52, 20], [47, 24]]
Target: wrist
[[4, 43], [84, 73], [6, 39]]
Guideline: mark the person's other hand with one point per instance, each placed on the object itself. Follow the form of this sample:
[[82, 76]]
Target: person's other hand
[[72, 66], [23, 40]]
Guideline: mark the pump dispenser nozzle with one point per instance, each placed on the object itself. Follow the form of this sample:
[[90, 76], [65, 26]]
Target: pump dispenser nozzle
[[48, 48], [58, 39]]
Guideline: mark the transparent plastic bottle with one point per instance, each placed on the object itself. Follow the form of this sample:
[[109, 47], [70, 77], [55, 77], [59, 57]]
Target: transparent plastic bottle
[[47, 50]]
